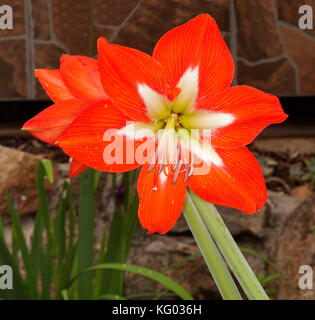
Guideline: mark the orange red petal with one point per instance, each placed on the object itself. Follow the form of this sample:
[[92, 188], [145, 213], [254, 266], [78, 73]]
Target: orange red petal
[[84, 138], [53, 84], [197, 43], [122, 71], [81, 76], [161, 201], [76, 168], [239, 183], [252, 110], [52, 121]]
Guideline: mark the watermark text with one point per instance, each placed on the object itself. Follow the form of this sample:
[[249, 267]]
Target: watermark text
[[6, 17]]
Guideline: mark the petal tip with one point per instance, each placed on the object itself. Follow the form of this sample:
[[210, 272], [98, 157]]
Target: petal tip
[[160, 231], [102, 42], [26, 126], [203, 16], [64, 56], [26, 129], [72, 175], [40, 73], [37, 72]]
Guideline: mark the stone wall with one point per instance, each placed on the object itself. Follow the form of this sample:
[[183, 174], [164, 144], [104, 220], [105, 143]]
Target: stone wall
[[270, 51]]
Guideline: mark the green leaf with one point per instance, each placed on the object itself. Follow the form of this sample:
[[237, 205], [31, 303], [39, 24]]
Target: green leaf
[[64, 294], [15, 247], [112, 297], [260, 256], [21, 289], [37, 239], [154, 275], [121, 234], [311, 166], [270, 278], [97, 179], [71, 258], [116, 252], [60, 236], [172, 266], [48, 169], [131, 217], [46, 274], [44, 205], [86, 233], [99, 273], [21, 243], [43, 257], [271, 290], [60, 226], [71, 247]]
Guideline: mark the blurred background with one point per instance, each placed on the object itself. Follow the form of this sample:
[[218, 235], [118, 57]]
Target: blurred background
[[270, 52]]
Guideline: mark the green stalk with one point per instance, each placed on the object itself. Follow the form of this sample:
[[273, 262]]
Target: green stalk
[[229, 249], [210, 252]]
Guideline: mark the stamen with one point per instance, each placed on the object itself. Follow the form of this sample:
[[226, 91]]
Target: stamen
[[155, 158], [177, 170], [154, 161], [192, 164], [177, 157], [186, 171], [162, 161], [161, 168]]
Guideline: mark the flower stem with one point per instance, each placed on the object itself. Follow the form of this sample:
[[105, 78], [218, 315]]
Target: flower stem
[[229, 249], [210, 252]]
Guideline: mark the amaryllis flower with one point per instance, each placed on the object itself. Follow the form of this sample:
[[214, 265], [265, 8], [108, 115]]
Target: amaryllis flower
[[184, 86], [73, 88]]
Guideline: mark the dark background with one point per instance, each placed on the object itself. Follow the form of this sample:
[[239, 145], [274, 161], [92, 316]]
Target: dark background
[[270, 51]]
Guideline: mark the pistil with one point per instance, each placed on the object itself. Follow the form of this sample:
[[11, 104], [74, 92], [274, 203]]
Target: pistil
[[169, 150]]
